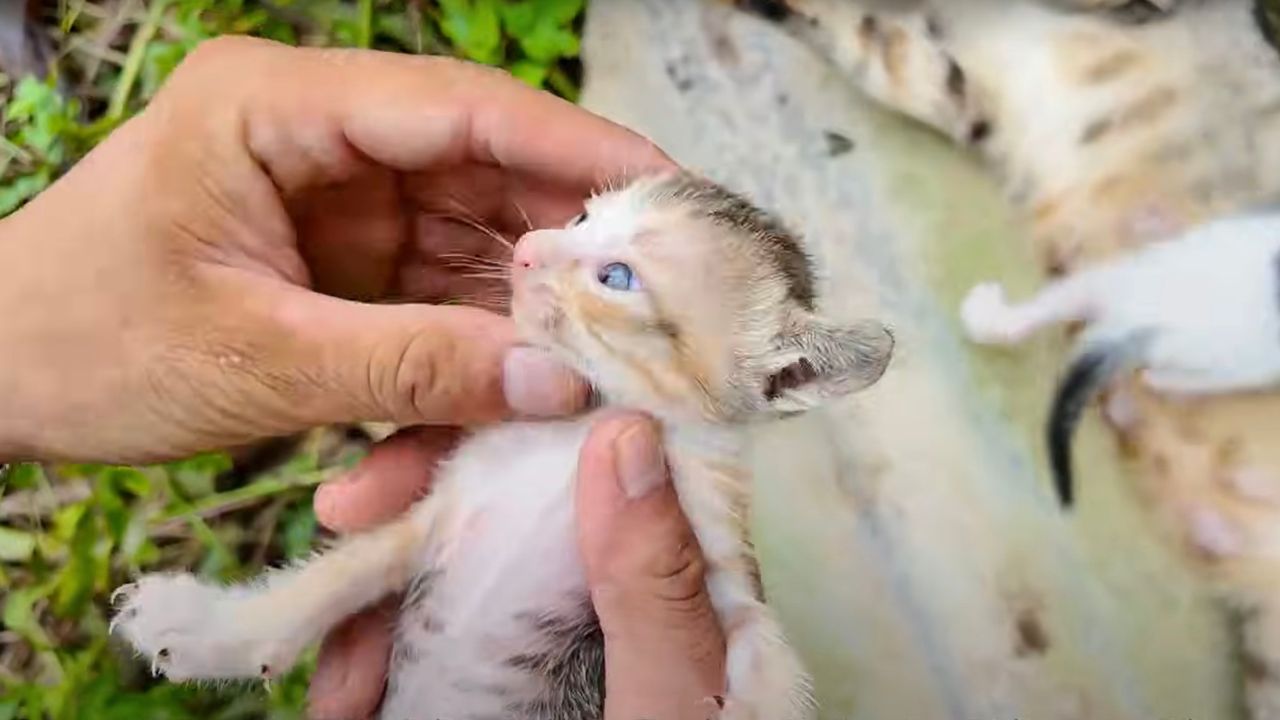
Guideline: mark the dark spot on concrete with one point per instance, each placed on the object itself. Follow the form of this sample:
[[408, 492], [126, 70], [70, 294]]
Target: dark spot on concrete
[[723, 47], [1254, 668], [1033, 639], [1268, 109], [783, 99], [1096, 130], [979, 132], [837, 144], [869, 28], [956, 80], [933, 26], [683, 82]]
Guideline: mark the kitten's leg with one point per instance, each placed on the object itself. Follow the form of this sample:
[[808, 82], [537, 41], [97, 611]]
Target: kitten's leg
[[765, 678], [193, 630], [898, 59], [989, 318]]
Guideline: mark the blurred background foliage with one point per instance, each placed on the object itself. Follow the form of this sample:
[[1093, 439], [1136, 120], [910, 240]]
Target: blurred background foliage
[[70, 72]]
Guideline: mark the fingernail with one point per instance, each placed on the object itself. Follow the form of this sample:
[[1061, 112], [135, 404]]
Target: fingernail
[[639, 460], [536, 385]]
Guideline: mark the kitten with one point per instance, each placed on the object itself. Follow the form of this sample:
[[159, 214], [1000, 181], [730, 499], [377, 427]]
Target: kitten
[[673, 296], [1199, 315]]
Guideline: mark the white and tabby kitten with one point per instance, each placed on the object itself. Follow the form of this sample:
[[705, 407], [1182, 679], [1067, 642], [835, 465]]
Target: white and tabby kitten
[[673, 296]]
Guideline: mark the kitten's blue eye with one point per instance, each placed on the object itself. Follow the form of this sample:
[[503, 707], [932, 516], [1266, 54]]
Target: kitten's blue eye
[[617, 276]]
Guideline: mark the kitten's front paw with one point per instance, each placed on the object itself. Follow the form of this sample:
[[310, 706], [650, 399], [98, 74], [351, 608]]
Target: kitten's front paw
[[985, 315], [192, 631]]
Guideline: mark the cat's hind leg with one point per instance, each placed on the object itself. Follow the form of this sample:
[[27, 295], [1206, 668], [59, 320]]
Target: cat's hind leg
[[195, 630], [990, 319]]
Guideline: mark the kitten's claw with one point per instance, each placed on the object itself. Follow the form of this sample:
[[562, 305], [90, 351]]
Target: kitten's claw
[[985, 315], [158, 661], [124, 590], [714, 707]]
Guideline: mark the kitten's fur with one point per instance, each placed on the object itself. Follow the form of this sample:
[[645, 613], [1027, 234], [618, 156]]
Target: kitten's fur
[[720, 332]]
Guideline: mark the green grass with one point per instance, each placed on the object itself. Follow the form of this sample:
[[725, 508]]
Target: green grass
[[69, 535]]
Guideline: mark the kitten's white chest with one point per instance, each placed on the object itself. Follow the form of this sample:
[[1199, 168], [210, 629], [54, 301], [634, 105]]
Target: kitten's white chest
[[509, 561]]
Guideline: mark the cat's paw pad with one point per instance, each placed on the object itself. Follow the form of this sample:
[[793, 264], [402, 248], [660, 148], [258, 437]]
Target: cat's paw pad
[[188, 631], [985, 315], [1214, 535]]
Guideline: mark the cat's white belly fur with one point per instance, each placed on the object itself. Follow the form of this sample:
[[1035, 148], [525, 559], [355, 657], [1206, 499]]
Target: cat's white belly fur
[[1193, 292], [510, 491]]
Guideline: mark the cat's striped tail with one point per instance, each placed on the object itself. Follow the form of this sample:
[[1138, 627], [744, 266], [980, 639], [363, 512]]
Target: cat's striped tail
[[1091, 371]]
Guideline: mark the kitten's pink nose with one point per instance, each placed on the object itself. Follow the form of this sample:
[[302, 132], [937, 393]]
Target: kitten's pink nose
[[525, 257], [534, 250]]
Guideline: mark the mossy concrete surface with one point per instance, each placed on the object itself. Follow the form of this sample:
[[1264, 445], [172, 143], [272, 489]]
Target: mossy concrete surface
[[909, 536]]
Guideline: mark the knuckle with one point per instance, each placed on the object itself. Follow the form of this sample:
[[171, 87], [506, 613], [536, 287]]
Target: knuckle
[[672, 569], [217, 53], [418, 380], [254, 62]]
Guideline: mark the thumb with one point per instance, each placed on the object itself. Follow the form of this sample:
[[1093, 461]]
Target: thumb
[[331, 360], [637, 545], [664, 647]]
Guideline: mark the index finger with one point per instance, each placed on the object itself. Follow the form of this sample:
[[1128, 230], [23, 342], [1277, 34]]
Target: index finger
[[396, 473], [413, 113]]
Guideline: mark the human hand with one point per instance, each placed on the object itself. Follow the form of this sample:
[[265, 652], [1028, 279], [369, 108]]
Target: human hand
[[220, 269], [664, 648], [663, 645]]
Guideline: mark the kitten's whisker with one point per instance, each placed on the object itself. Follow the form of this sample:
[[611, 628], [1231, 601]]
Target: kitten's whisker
[[477, 258], [474, 224], [466, 216], [462, 260], [481, 262], [485, 302], [487, 276], [524, 215], [464, 270]]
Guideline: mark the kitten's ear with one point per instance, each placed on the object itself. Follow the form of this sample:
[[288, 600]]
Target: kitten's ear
[[823, 361]]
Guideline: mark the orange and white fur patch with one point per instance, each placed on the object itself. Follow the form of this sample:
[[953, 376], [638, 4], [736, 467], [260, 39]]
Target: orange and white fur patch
[[673, 296], [1112, 124]]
